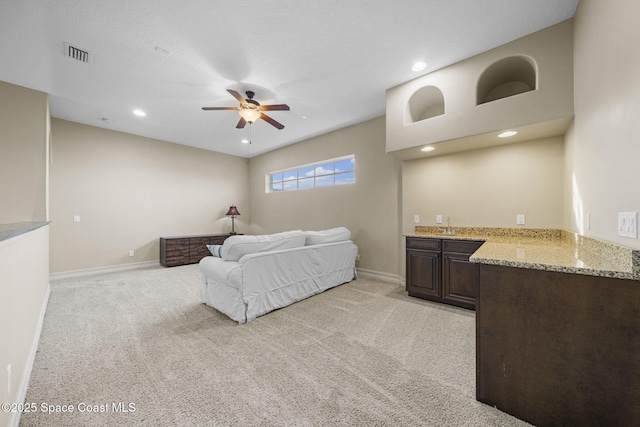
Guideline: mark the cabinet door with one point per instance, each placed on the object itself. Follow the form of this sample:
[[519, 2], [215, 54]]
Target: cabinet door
[[459, 280], [424, 274]]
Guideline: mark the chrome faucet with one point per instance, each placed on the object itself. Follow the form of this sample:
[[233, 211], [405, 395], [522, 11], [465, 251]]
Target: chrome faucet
[[449, 230]]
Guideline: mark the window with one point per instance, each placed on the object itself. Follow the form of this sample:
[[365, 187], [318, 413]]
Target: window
[[328, 173]]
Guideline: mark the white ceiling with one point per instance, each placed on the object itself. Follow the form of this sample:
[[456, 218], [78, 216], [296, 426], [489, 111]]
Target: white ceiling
[[330, 61]]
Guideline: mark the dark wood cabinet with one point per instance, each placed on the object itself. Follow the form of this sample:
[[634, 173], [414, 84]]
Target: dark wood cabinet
[[460, 276], [182, 250], [424, 274], [558, 349], [440, 270]]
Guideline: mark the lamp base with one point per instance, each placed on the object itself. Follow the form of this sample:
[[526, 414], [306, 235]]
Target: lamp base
[[233, 225]]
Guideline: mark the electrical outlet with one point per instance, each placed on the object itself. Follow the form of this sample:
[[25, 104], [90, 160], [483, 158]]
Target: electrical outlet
[[438, 219], [416, 219], [132, 253], [520, 219], [628, 224], [357, 257]]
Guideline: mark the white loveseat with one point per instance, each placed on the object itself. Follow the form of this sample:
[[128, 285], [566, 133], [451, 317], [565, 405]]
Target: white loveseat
[[253, 275]]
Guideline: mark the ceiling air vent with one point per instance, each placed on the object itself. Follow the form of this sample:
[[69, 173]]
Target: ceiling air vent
[[74, 52]]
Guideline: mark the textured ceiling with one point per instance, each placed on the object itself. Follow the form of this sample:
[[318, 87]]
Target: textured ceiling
[[330, 61]]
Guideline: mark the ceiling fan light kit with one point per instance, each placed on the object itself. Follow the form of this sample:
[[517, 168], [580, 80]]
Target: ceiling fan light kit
[[249, 114], [251, 110]]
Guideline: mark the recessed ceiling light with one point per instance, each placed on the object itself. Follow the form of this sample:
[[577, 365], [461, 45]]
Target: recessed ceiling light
[[139, 113], [428, 148], [507, 134], [419, 66], [245, 141]]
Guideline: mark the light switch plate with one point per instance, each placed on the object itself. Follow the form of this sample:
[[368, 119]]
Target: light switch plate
[[628, 224], [416, 219], [76, 218], [520, 219], [438, 219]]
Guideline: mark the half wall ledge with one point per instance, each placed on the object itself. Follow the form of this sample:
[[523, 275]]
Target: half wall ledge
[[8, 231]]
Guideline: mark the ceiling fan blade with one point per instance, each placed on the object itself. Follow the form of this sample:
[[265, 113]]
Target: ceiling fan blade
[[241, 123], [219, 108], [279, 107], [237, 96], [271, 121]]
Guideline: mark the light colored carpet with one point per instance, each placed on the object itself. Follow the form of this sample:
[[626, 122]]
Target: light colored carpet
[[363, 353]]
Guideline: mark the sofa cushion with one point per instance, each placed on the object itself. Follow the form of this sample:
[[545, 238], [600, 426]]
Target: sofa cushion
[[337, 234], [235, 247]]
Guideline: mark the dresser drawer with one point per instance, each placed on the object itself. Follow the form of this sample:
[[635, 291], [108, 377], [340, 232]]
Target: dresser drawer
[[460, 246], [423, 243]]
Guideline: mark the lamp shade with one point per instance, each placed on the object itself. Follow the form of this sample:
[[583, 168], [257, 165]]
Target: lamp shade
[[233, 211]]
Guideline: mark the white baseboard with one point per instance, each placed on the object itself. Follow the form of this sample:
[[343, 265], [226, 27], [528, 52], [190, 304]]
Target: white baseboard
[[101, 270], [14, 420], [385, 277]]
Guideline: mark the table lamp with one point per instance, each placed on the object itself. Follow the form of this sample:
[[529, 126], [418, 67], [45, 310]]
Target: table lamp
[[233, 213]]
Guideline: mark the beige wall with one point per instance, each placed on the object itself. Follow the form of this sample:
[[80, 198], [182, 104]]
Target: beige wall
[[603, 149], [369, 208], [129, 191], [487, 187], [24, 119]]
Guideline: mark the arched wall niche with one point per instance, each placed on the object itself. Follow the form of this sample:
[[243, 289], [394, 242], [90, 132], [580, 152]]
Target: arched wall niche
[[425, 103], [507, 77]]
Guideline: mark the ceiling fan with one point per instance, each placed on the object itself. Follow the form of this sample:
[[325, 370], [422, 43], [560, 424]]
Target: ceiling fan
[[251, 110]]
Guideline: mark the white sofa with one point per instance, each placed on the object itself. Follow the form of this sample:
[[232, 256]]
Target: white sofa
[[253, 275]]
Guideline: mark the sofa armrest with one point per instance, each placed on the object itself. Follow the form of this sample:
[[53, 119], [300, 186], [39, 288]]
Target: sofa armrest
[[221, 271]]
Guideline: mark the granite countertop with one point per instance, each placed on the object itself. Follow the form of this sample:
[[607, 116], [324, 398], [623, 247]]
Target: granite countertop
[[545, 249], [8, 231]]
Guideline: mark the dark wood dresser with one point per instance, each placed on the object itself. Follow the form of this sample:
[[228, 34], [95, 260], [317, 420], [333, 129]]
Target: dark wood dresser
[[182, 250]]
